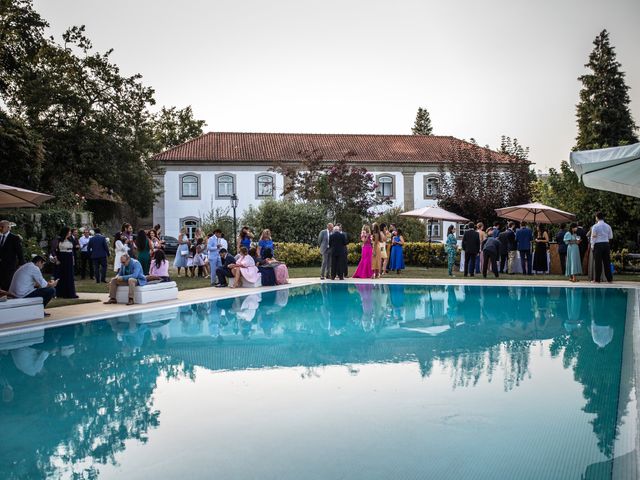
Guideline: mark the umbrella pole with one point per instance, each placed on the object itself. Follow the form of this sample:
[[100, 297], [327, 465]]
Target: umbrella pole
[[430, 226]]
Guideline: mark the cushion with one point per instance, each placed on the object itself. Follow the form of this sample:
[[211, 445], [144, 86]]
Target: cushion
[[21, 310], [155, 292]]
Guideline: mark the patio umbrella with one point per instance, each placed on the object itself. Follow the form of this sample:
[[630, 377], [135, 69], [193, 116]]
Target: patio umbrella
[[535, 213], [434, 213], [615, 169], [14, 197]]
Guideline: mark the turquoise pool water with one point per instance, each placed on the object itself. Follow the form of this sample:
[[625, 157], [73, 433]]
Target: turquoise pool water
[[326, 382]]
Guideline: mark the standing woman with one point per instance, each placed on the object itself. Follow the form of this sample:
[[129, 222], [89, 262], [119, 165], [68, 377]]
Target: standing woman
[[120, 248], [155, 241], [397, 254], [377, 244], [198, 234], [183, 251], [572, 240], [386, 238], [540, 251], [143, 245], [265, 242], [244, 239], [451, 247], [365, 269], [62, 251]]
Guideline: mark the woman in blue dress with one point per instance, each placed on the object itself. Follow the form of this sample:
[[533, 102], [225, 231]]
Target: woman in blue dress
[[573, 253], [244, 239], [265, 242], [182, 253], [451, 247], [397, 255]]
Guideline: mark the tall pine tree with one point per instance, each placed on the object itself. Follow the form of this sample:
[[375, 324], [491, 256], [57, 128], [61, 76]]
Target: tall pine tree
[[604, 118], [422, 125]]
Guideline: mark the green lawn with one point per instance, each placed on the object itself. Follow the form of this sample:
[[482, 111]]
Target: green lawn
[[314, 272]]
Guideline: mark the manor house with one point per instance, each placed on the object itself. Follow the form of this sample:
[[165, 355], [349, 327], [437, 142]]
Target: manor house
[[202, 174]]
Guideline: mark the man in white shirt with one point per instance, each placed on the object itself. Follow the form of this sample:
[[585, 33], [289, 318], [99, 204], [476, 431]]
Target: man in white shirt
[[85, 255], [601, 234], [28, 282]]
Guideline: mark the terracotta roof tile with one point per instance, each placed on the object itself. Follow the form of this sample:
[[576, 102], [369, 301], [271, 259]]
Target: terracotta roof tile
[[222, 147]]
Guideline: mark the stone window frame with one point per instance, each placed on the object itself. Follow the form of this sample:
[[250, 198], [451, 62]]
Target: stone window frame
[[431, 224], [393, 184], [425, 180], [461, 228], [273, 179], [189, 219], [235, 185], [198, 185]]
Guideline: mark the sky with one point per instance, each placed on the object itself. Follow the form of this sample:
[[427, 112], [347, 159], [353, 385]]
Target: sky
[[481, 68]]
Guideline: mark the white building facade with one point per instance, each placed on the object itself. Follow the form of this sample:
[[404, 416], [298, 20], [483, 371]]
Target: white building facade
[[201, 175]]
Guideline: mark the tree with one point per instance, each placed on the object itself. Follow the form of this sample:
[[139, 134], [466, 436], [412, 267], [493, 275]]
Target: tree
[[21, 153], [422, 125], [346, 192], [474, 185], [94, 122], [519, 172], [173, 127], [21, 36], [288, 220], [603, 115], [604, 120]]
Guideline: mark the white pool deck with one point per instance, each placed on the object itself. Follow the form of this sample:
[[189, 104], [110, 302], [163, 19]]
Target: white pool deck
[[97, 310]]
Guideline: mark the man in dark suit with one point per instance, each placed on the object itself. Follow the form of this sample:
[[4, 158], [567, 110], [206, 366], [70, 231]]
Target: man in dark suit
[[344, 258], [223, 272], [503, 238], [562, 247], [98, 248], [471, 247], [338, 246], [11, 254], [524, 237], [490, 250]]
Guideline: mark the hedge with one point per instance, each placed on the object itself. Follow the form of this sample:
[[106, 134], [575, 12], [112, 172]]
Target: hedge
[[415, 254]]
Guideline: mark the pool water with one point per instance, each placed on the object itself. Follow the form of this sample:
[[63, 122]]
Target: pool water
[[353, 381]]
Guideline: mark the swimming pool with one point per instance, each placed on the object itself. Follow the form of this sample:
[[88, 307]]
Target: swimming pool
[[331, 381]]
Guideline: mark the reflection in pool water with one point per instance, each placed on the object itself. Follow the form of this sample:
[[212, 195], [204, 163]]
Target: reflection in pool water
[[431, 371]]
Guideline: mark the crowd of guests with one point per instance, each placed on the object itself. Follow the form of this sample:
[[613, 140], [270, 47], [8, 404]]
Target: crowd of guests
[[382, 251], [498, 248], [137, 260]]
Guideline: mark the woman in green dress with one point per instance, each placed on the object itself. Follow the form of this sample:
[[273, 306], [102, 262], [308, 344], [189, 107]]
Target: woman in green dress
[[144, 251], [451, 246], [573, 253]]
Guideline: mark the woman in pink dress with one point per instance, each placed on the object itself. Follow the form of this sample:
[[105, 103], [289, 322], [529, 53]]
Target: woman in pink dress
[[364, 269], [245, 267]]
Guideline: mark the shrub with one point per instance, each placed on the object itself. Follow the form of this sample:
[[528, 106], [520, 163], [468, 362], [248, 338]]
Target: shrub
[[422, 254], [417, 254], [218, 218], [413, 230], [40, 223], [297, 254], [288, 221]]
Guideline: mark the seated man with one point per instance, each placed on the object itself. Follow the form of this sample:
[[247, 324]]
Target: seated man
[[224, 271], [28, 282], [131, 274]]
